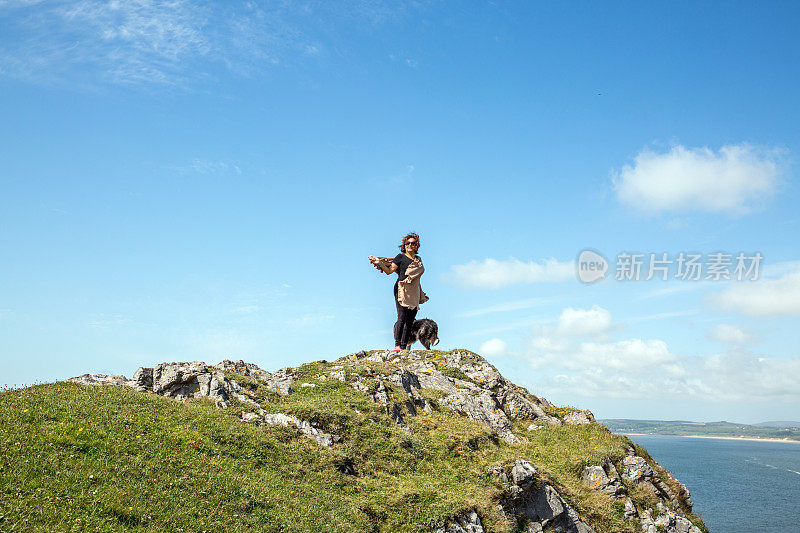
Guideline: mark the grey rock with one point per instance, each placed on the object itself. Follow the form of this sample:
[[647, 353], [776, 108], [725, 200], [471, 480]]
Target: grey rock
[[498, 473], [468, 522], [538, 505], [379, 357], [518, 407], [636, 469], [143, 377], [667, 521], [629, 511], [382, 396], [101, 379], [359, 385], [579, 417], [411, 385], [547, 504], [281, 381], [306, 428], [482, 408], [408, 380], [437, 381], [523, 473], [247, 417], [596, 477], [249, 370]]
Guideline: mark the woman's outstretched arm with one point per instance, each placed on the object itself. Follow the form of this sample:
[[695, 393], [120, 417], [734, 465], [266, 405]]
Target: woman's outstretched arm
[[384, 264]]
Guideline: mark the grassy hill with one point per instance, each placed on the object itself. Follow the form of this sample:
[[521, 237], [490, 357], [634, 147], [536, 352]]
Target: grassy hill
[[111, 458]]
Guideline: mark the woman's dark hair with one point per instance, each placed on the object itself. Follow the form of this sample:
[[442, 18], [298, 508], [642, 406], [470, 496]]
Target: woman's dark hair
[[405, 239]]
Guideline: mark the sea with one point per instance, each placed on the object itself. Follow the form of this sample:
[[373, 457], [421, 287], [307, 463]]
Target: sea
[[737, 486]]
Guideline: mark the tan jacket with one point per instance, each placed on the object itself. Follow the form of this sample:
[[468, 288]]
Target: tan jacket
[[409, 291]]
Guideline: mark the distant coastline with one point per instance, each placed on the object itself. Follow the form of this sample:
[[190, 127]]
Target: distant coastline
[[752, 439], [708, 430]]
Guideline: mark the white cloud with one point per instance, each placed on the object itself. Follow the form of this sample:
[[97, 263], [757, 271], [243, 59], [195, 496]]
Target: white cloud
[[494, 274], [584, 321], [647, 368], [761, 298], [730, 334], [734, 180], [494, 348], [740, 375]]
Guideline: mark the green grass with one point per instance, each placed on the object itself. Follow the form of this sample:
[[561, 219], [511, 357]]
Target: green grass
[[79, 458]]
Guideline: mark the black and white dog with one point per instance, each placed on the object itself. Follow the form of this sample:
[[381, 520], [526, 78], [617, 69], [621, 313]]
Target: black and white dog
[[426, 332]]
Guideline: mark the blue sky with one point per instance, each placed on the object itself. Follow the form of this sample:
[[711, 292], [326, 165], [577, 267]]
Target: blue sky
[[198, 181]]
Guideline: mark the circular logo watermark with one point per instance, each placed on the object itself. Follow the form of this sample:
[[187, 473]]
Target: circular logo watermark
[[591, 266]]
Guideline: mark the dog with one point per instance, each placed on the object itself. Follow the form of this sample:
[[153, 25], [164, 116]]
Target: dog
[[426, 332]]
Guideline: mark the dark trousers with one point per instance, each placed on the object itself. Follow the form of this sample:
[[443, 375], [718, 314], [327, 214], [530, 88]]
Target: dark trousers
[[405, 321]]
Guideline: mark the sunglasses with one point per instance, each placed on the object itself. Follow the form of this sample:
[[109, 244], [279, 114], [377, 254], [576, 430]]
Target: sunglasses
[[412, 243]]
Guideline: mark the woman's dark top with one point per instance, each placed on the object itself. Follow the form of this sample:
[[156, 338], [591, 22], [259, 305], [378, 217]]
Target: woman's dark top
[[402, 261]]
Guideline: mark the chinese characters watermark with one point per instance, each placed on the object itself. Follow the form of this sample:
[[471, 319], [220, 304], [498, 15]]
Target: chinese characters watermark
[[686, 266]]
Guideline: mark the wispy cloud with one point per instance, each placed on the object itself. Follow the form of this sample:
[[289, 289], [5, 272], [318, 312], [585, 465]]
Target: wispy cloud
[[520, 323], [175, 42], [206, 166], [734, 179], [130, 42], [311, 320], [493, 274], [245, 309], [662, 316], [507, 306], [105, 321]]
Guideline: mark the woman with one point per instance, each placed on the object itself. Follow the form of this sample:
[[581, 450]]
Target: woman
[[408, 294]]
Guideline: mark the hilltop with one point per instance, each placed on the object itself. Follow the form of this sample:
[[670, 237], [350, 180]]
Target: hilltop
[[374, 441]]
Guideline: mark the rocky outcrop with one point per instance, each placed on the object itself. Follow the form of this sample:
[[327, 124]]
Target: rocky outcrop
[[306, 428], [638, 471], [532, 503], [579, 417], [667, 521], [667, 516], [485, 396], [280, 381], [411, 384], [101, 379], [182, 381], [466, 523], [483, 408], [599, 479], [535, 504]]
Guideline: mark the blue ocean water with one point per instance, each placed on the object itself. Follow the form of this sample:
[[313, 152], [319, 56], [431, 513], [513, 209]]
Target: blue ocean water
[[737, 486]]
